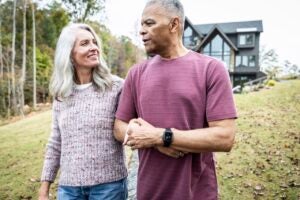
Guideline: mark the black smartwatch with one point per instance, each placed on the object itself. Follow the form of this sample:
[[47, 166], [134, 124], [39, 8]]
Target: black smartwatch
[[167, 137]]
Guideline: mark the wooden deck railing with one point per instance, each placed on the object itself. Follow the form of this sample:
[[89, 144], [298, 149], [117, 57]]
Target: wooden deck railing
[[250, 84]]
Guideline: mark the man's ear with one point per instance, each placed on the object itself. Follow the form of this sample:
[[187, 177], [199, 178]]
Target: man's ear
[[174, 25]]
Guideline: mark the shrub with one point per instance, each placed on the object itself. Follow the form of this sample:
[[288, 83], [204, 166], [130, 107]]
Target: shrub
[[271, 83]]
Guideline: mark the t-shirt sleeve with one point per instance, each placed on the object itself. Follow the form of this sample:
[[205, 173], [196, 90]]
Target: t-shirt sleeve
[[219, 103], [126, 108]]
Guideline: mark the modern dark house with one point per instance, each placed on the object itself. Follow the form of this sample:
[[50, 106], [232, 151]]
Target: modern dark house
[[234, 43]]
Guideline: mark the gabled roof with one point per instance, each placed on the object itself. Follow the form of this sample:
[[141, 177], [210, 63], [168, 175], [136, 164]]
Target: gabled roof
[[232, 27], [213, 32], [188, 22]]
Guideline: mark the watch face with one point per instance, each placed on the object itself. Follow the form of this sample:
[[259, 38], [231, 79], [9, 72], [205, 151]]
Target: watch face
[[168, 135]]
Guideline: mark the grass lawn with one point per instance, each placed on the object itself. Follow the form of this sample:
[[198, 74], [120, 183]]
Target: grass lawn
[[264, 163]]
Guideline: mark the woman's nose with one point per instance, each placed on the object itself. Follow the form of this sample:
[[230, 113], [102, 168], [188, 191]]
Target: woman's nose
[[94, 47]]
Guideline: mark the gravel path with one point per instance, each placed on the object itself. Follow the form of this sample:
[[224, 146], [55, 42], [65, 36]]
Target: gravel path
[[132, 176]]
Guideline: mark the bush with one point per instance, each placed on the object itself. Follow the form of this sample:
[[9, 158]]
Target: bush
[[271, 83]]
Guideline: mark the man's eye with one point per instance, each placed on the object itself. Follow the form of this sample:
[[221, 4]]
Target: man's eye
[[149, 23]]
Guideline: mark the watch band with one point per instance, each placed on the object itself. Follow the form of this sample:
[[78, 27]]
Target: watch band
[[167, 137]]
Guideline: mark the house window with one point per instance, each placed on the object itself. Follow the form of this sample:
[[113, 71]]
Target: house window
[[238, 61], [189, 39], [244, 78], [216, 45], [246, 40], [206, 49], [188, 32], [219, 49], [245, 61], [252, 61]]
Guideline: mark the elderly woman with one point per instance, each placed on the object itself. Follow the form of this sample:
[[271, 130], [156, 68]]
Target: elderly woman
[[82, 144]]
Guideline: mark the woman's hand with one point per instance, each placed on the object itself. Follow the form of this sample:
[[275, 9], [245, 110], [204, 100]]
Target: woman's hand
[[169, 151], [44, 191]]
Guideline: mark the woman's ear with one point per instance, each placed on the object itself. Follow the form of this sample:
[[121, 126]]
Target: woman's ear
[[72, 60]]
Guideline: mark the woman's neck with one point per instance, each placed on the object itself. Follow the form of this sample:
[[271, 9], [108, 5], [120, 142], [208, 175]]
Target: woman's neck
[[83, 76]]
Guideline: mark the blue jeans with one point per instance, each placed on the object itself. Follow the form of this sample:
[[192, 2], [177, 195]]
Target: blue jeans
[[109, 191]]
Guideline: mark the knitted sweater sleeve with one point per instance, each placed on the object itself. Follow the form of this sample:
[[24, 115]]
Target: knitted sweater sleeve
[[53, 150]]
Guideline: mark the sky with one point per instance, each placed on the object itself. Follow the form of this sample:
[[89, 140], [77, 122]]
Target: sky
[[281, 20]]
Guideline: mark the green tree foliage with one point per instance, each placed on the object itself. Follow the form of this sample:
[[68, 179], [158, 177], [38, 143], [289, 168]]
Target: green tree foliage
[[119, 52], [83, 9]]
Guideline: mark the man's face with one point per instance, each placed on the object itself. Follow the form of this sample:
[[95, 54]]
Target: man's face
[[155, 29]]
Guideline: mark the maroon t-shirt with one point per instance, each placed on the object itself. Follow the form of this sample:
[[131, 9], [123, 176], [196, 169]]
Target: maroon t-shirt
[[183, 93]]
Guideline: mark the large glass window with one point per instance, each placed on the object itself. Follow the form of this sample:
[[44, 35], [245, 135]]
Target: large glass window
[[188, 32], [226, 49], [189, 39], [206, 49], [238, 61], [216, 45], [245, 61], [246, 40], [219, 49], [251, 61]]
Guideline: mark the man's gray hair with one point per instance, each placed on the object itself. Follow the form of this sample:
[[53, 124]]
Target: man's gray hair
[[172, 6]]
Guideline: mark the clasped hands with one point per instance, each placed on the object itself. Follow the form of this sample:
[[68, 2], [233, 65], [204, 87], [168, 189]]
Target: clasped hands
[[141, 134]]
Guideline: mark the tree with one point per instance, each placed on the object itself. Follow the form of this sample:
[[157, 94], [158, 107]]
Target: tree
[[83, 9], [1, 55], [26, 62], [269, 63], [33, 55], [2, 88], [295, 69], [268, 58], [23, 74], [13, 57], [292, 70]]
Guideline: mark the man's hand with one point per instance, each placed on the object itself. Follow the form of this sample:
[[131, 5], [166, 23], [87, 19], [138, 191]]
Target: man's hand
[[141, 134], [131, 125]]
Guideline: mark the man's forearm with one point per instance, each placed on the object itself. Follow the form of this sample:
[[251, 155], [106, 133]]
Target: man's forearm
[[218, 137], [212, 139]]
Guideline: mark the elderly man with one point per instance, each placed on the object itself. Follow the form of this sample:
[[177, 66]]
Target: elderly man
[[176, 108]]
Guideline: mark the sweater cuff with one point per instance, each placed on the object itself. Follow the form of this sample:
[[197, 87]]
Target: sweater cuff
[[48, 175]]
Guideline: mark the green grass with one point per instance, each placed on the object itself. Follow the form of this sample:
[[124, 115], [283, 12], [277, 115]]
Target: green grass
[[264, 163], [22, 148]]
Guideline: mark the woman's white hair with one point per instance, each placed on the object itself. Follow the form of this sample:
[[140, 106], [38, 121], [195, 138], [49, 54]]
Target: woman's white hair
[[64, 74]]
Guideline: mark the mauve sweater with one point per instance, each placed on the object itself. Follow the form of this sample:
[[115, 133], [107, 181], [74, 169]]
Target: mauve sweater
[[82, 144]]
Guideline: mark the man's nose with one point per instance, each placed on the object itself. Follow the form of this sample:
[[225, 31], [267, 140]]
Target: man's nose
[[142, 31]]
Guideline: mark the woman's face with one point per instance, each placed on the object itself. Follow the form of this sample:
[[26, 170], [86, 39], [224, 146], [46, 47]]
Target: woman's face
[[85, 53]]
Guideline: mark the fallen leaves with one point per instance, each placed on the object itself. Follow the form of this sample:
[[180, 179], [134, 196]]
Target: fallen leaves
[[264, 162]]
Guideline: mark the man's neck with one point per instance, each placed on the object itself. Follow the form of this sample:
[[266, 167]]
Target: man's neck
[[174, 51]]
